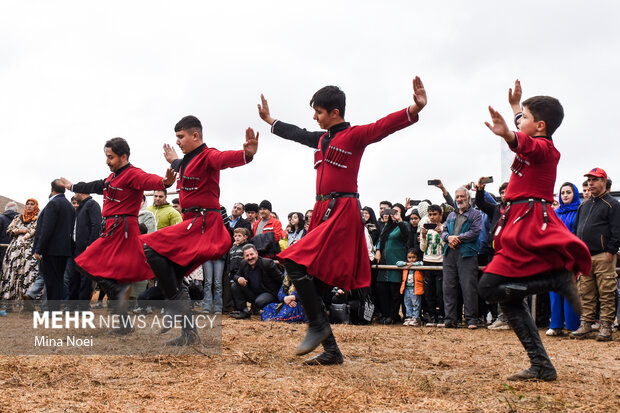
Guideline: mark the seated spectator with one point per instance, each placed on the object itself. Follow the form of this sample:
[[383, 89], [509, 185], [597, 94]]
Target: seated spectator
[[257, 282], [288, 309]]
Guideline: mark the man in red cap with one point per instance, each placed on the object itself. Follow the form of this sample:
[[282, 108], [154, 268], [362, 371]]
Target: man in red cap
[[598, 225]]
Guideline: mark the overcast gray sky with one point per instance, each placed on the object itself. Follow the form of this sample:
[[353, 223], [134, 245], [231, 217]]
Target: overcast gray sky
[[74, 74]]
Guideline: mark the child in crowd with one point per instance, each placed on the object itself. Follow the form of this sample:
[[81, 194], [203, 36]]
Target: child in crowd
[[233, 261], [432, 245], [413, 288]]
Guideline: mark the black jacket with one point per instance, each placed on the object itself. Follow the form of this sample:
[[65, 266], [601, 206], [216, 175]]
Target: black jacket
[[54, 231], [241, 223], [87, 224], [493, 211], [5, 220], [271, 276], [598, 224]]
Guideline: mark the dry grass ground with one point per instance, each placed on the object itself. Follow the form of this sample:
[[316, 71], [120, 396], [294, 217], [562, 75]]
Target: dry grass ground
[[386, 368]]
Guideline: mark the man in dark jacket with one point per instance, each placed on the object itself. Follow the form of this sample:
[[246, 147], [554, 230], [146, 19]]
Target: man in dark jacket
[[52, 242], [87, 228], [598, 225], [10, 212], [237, 220], [257, 282]]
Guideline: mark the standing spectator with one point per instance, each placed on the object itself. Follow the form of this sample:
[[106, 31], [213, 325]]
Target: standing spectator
[[414, 234], [19, 266], [10, 212], [308, 216], [146, 218], [383, 205], [586, 190], [460, 263], [392, 248], [561, 311], [297, 230], [598, 226], [87, 226], [236, 219], [265, 225], [257, 282], [251, 213], [413, 288], [370, 221], [432, 247], [53, 243], [165, 214], [176, 205]]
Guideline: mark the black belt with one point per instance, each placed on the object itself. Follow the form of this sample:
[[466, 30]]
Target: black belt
[[335, 195], [115, 225], [531, 202], [199, 212]]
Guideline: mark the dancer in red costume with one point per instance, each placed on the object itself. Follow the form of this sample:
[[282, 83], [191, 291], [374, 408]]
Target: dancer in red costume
[[175, 251], [534, 251], [334, 250], [116, 258]]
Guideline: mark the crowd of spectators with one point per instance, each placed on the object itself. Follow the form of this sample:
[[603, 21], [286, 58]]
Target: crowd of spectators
[[425, 256]]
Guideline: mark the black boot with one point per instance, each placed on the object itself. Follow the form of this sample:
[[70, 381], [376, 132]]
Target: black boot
[[524, 326], [331, 354], [562, 283], [318, 323], [116, 294]]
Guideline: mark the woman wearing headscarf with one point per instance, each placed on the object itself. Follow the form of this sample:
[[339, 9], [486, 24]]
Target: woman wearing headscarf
[[370, 221], [562, 313], [392, 248], [20, 268]]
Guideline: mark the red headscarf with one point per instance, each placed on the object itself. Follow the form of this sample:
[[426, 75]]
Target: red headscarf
[[31, 216]]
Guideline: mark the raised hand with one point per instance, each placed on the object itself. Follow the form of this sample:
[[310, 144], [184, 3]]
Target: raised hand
[[419, 96], [66, 183], [171, 177], [170, 153], [514, 98], [263, 110], [499, 126], [250, 146]]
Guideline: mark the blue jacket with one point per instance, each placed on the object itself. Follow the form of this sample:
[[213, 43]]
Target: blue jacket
[[470, 242]]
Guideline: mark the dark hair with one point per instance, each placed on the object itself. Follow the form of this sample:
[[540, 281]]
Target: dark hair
[[300, 225], [503, 186], [189, 123], [59, 189], [143, 197], [119, 146], [585, 183], [175, 201], [428, 201], [547, 109], [413, 251], [434, 208], [165, 191], [373, 216], [329, 98], [608, 184], [402, 208], [386, 203]]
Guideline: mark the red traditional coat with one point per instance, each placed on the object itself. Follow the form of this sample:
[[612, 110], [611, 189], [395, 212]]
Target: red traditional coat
[[528, 247], [335, 250], [199, 186], [118, 253]]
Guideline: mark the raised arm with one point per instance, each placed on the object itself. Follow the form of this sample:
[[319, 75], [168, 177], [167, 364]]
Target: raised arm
[[500, 128], [419, 97], [94, 187], [286, 130]]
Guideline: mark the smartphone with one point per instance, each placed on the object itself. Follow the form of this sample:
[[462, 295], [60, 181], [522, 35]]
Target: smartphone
[[434, 181], [486, 180], [389, 211], [429, 225]]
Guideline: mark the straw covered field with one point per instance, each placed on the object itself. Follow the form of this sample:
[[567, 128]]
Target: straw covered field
[[386, 368]]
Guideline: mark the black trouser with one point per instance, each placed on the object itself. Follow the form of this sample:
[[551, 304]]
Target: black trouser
[[483, 307], [152, 293], [242, 295], [80, 286], [433, 293], [168, 273], [53, 269], [389, 299]]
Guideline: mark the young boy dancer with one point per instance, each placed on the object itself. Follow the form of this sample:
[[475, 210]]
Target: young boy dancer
[[175, 251], [334, 250], [534, 251], [116, 258]]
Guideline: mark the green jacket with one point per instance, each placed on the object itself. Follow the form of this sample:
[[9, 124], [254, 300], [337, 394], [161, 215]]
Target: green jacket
[[165, 215]]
